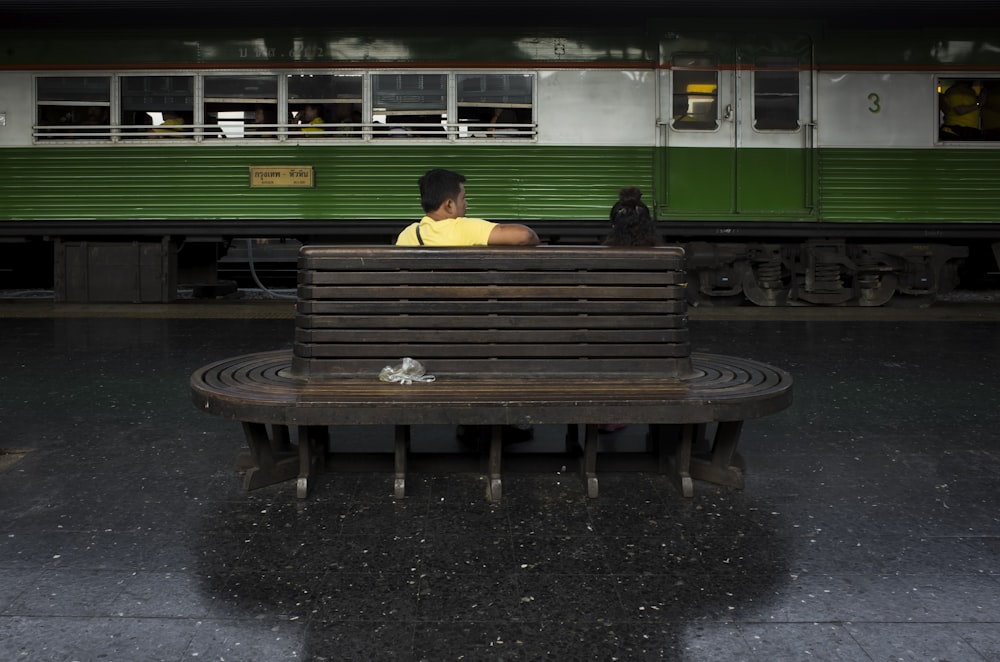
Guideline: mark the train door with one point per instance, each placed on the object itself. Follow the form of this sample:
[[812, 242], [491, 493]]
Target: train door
[[736, 127]]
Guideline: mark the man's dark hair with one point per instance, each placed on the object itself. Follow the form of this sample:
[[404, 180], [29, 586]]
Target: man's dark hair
[[438, 185]]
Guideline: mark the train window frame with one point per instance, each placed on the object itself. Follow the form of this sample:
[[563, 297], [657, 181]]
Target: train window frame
[[689, 73], [339, 107], [509, 113], [781, 69], [412, 108], [232, 102], [197, 96], [986, 105], [75, 121], [177, 116]]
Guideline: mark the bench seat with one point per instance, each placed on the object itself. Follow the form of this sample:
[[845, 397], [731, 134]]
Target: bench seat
[[260, 389], [575, 336]]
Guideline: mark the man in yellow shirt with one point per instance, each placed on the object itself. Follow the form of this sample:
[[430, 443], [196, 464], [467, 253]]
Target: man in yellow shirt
[[309, 117], [442, 195]]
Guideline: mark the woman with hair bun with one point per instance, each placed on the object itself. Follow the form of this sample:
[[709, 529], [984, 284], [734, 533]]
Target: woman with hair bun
[[631, 225], [631, 222]]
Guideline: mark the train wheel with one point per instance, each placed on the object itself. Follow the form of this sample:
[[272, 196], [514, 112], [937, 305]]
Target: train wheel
[[880, 292]]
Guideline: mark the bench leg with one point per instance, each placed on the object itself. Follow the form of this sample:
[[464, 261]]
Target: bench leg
[[672, 445], [572, 439], [313, 443], [279, 442], [402, 454], [494, 487], [722, 464], [271, 457], [589, 460]]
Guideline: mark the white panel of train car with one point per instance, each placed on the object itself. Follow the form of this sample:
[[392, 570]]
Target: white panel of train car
[[596, 107], [16, 110], [876, 109]]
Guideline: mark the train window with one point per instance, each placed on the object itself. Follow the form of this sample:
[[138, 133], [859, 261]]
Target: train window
[[241, 106], [410, 104], [73, 107], [157, 106], [321, 101], [695, 81], [970, 109], [776, 94], [495, 105]]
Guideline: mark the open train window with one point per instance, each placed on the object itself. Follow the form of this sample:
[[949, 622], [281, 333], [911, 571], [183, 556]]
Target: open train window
[[776, 94], [969, 109], [695, 84], [409, 105], [495, 105], [241, 106], [73, 107], [157, 106], [326, 104]]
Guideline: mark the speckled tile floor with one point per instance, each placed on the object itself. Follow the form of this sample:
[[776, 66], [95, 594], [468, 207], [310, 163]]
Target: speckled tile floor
[[869, 528]]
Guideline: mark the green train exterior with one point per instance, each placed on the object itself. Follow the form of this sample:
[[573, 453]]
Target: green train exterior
[[795, 163]]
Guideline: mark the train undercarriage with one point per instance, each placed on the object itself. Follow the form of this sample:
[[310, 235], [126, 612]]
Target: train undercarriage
[[821, 272]]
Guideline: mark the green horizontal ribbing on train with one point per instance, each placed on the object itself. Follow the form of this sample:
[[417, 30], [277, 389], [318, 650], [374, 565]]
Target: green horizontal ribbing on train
[[505, 182], [919, 186]]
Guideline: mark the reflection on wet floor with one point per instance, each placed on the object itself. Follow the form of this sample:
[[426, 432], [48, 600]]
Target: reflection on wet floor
[[868, 528]]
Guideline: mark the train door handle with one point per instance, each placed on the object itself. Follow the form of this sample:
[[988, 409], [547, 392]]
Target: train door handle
[[728, 112]]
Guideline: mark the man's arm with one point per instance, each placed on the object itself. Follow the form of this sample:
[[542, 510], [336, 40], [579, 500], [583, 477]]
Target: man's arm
[[512, 234]]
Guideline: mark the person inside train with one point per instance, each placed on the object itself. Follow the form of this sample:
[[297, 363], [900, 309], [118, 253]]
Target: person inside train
[[503, 116], [960, 105], [442, 196], [171, 125], [632, 224], [263, 115], [309, 117]]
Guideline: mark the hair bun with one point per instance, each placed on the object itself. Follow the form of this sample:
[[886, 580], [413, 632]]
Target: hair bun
[[630, 195]]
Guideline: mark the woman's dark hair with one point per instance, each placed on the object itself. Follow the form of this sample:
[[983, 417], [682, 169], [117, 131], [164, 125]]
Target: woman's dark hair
[[631, 222]]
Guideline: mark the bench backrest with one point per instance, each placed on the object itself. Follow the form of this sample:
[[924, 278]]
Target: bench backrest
[[592, 311]]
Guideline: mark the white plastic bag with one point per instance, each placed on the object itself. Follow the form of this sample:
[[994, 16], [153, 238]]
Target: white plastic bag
[[407, 372]]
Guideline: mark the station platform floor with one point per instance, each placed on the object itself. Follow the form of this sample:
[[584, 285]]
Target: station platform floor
[[869, 528]]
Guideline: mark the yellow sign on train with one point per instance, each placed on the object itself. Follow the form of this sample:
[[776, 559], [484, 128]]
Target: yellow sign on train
[[281, 176]]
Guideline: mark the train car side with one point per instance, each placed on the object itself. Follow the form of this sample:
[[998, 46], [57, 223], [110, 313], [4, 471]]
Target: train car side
[[796, 164]]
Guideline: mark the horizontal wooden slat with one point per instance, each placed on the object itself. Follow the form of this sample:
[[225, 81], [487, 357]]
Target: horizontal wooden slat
[[489, 338], [496, 258], [472, 277], [512, 368], [488, 321], [488, 291], [498, 307], [494, 353]]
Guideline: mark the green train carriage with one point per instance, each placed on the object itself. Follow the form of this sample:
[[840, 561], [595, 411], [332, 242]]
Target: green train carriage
[[797, 163]]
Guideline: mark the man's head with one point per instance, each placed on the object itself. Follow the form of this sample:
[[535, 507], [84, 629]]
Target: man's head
[[440, 188]]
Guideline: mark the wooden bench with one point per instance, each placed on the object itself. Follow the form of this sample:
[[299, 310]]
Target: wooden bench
[[542, 335]]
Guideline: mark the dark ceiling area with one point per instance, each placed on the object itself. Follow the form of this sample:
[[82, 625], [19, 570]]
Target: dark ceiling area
[[443, 13]]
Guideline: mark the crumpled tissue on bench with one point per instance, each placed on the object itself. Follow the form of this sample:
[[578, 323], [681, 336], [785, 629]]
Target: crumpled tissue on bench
[[407, 372]]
